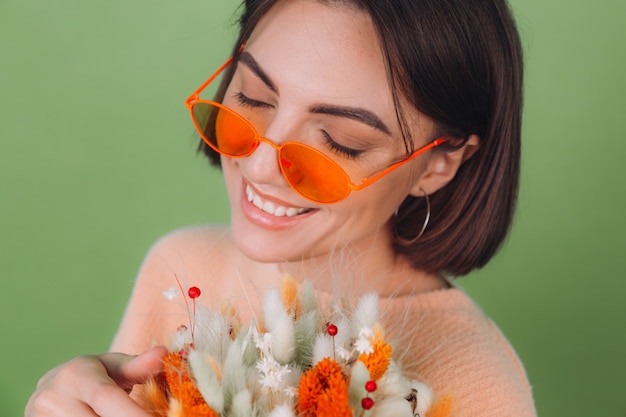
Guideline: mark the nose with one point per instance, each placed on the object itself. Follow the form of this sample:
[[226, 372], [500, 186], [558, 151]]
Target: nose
[[262, 167]]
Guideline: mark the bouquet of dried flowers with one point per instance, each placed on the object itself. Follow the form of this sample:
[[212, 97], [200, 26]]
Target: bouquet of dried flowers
[[295, 362]]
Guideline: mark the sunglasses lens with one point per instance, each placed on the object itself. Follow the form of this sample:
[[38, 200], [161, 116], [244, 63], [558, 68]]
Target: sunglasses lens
[[313, 174], [307, 170], [232, 136]]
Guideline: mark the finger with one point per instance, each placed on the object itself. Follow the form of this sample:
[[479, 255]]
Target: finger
[[51, 403], [82, 387], [128, 370], [105, 397]]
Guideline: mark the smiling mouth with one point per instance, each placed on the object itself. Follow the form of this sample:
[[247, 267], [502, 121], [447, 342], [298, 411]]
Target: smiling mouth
[[273, 208]]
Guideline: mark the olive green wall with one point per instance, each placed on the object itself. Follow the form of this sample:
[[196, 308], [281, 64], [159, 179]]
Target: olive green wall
[[97, 161]]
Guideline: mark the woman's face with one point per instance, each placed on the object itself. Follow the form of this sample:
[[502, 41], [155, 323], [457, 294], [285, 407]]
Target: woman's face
[[314, 73]]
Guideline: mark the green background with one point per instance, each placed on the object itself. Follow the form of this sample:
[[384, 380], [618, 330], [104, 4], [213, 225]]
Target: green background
[[97, 160]]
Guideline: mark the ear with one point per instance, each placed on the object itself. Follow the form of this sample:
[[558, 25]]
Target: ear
[[443, 166]]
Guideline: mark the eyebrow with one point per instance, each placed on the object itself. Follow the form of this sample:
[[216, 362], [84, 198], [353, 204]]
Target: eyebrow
[[249, 61], [354, 113]]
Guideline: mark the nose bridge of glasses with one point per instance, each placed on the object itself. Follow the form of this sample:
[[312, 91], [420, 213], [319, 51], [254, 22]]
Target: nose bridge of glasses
[[262, 139]]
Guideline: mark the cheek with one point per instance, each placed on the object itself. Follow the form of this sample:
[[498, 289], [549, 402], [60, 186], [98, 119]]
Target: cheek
[[378, 202]]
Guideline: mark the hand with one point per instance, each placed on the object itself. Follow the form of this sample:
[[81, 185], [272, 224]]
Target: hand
[[95, 386]]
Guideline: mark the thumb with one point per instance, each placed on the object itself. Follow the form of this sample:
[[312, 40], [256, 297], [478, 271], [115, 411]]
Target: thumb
[[128, 370]]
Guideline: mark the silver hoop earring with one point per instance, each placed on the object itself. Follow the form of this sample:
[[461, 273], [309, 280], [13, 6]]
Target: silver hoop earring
[[407, 242]]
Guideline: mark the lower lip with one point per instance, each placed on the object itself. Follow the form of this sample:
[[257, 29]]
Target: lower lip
[[268, 221]]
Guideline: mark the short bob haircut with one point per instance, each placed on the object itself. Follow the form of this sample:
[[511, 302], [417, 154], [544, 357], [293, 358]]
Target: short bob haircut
[[460, 63]]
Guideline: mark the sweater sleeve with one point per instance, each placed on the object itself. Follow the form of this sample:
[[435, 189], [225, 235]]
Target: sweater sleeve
[[461, 353]]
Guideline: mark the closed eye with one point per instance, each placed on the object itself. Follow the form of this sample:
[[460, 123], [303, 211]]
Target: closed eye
[[340, 149], [250, 102]]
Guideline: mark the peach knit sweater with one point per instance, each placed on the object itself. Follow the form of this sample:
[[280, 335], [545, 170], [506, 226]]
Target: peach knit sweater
[[448, 341]]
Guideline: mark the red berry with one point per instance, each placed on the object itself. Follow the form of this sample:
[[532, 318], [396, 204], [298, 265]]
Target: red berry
[[194, 292], [370, 386], [332, 329], [367, 403]]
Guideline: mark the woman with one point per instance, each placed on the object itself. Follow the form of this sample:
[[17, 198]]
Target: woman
[[391, 159]]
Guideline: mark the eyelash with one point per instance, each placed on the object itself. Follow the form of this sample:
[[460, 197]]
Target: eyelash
[[340, 149], [249, 102], [344, 151]]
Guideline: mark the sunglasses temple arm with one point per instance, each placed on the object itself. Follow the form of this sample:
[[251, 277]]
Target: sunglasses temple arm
[[370, 180], [196, 94]]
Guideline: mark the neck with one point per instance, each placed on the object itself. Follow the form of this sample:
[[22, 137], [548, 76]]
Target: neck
[[368, 265], [359, 269]]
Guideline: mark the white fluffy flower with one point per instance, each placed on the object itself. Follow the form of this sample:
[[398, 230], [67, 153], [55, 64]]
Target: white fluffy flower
[[263, 342], [206, 381], [170, 294], [425, 397], [322, 348], [343, 353], [283, 410], [363, 344], [272, 373], [182, 338], [283, 339], [291, 392], [366, 312]]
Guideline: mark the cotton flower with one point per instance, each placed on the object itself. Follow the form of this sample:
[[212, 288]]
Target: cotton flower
[[424, 397], [396, 407]]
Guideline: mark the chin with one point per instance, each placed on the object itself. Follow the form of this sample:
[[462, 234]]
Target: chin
[[259, 251]]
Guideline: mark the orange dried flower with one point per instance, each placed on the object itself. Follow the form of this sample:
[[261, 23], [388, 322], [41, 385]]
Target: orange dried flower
[[323, 391], [289, 295], [153, 396], [182, 387], [378, 361], [231, 316]]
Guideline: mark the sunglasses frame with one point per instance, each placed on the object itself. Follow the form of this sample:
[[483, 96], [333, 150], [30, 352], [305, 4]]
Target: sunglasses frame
[[194, 99]]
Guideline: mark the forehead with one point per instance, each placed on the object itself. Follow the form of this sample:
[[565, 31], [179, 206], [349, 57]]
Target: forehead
[[321, 50]]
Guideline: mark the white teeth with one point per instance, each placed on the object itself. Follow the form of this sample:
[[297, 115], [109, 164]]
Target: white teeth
[[292, 212], [268, 207], [271, 208]]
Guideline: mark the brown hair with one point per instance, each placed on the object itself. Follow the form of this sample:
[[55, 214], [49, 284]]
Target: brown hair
[[460, 63]]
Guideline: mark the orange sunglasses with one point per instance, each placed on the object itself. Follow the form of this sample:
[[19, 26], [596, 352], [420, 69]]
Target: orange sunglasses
[[307, 170]]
